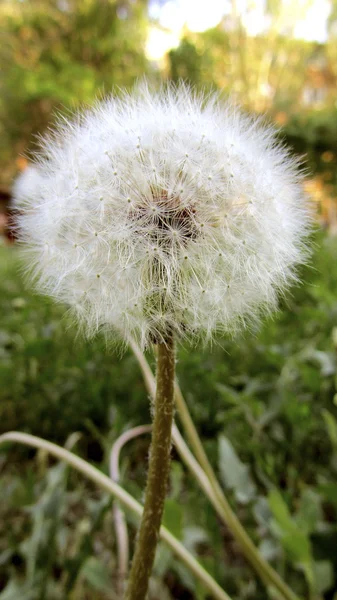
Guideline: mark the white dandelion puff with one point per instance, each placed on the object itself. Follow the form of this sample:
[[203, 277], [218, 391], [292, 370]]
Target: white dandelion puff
[[163, 212]]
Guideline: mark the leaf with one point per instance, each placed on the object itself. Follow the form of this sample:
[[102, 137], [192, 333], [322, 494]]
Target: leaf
[[331, 426], [294, 541], [163, 560], [298, 547], [173, 517], [329, 491], [230, 394], [234, 473], [96, 574], [14, 591], [279, 509], [261, 511], [309, 513], [176, 479], [326, 361], [323, 576]]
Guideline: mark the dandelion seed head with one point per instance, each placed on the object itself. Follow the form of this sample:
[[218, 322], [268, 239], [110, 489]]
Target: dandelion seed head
[[196, 230]]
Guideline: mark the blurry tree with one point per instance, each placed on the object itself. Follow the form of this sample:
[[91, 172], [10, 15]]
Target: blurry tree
[[263, 68], [62, 54], [254, 55], [186, 62]]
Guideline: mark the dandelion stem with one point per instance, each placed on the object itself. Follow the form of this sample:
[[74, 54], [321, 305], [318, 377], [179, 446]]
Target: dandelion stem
[[157, 479]]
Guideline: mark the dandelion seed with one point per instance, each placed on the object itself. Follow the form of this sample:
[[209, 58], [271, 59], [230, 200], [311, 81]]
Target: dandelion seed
[[183, 231]]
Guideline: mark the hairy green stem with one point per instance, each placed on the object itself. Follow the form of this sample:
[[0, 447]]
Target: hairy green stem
[[158, 472], [128, 501], [209, 483]]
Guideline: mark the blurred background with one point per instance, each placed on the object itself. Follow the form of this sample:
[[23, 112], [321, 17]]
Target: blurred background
[[265, 405]]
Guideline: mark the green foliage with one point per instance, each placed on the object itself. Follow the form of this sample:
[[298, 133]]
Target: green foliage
[[263, 405], [186, 63], [250, 68], [55, 57], [290, 79], [67, 381], [318, 128], [55, 534]]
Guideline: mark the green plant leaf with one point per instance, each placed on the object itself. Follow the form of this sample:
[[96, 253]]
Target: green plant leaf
[[309, 512], [279, 509], [14, 591], [173, 517], [331, 425], [234, 473], [96, 573], [294, 540], [323, 575]]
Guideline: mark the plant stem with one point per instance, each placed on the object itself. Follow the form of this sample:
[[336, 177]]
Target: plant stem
[[209, 483], [128, 501], [121, 531], [158, 472]]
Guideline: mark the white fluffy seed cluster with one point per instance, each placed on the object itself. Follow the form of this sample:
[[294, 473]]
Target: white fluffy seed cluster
[[160, 213]]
